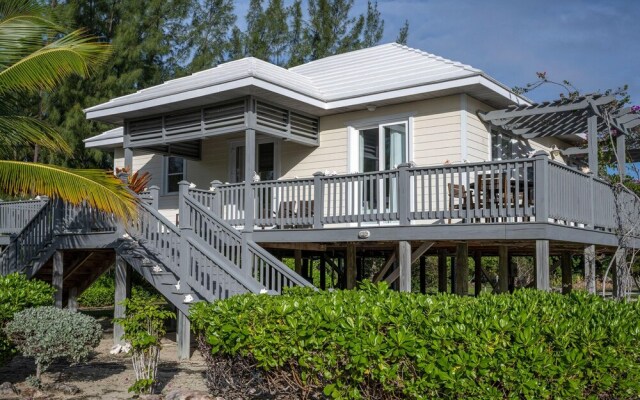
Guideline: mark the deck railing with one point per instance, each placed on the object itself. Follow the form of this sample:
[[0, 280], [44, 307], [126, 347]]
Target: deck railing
[[524, 190], [15, 215]]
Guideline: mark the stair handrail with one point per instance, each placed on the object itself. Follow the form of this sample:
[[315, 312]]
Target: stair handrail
[[12, 256], [255, 250], [182, 271]]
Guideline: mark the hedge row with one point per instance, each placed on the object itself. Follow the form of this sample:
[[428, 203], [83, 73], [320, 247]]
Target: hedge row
[[378, 343], [16, 294]]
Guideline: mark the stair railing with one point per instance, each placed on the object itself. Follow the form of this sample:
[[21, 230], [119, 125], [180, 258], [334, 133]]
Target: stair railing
[[213, 231], [212, 276], [35, 236]]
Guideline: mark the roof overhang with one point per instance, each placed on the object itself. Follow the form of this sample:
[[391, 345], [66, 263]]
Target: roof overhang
[[479, 86], [108, 140]]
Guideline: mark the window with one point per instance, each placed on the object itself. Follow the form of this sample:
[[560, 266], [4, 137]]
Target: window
[[383, 147], [266, 160], [174, 168], [501, 146]]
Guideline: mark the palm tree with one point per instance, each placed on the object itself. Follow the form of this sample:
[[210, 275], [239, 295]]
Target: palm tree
[[36, 55]]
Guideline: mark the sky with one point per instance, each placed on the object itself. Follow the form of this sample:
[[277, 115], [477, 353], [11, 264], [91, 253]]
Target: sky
[[593, 44]]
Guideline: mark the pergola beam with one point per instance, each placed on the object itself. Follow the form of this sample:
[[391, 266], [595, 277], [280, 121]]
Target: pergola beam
[[556, 106]]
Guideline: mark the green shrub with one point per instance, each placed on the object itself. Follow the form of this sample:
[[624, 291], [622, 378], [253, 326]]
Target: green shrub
[[16, 294], [49, 333], [378, 343]]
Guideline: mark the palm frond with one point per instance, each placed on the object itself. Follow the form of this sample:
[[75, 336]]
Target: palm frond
[[22, 35], [18, 130], [98, 188], [74, 54]]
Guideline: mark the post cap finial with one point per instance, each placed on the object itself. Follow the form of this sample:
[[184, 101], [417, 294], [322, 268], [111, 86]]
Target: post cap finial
[[318, 173]]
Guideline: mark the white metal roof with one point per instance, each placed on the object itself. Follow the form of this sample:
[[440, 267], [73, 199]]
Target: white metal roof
[[385, 73], [378, 69], [109, 139]]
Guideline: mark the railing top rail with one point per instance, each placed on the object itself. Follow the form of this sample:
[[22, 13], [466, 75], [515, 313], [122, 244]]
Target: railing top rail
[[13, 202], [206, 191], [229, 185], [282, 181], [474, 164]]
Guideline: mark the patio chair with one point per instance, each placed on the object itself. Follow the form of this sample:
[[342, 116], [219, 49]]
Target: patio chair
[[286, 214], [458, 198], [305, 213]]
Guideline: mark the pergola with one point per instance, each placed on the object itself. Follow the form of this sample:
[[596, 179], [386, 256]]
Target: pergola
[[575, 119]]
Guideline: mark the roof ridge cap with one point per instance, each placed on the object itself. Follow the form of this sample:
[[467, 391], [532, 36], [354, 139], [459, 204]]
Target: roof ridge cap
[[438, 58]]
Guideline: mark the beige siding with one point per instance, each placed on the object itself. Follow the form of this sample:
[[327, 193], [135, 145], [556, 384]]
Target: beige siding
[[436, 137], [477, 132]]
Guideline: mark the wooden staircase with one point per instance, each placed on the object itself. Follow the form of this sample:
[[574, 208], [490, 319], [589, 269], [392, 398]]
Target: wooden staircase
[[205, 259]]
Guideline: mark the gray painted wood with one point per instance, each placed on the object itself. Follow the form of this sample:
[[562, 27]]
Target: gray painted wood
[[404, 264], [503, 269], [123, 291], [462, 269], [72, 302], [621, 154], [477, 260], [128, 158], [566, 264], [592, 136], [423, 274], [57, 277], [442, 272], [542, 265], [350, 266], [183, 336], [590, 268]]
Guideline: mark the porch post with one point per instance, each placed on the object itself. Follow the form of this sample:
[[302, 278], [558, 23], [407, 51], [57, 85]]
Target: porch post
[[503, 269], [128, 159], [403, 194], [154, 191], [590, 268], [477, 261], [592, 140], [323, 272], [57, 277], [404, 263], [123, 291], [72, 301], [216, 206], [351, 266], [249, 171], [318, 200], [566, 264], [542, 265], [297, 259], [541, 201], [249, 207], [462, 269], [621, 154], [423, 274], [442, 272], [183, 336]]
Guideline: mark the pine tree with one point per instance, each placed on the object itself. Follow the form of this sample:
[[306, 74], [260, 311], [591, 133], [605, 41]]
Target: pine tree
[[147, 39], [403, 34], [298, 49], [209, 41]]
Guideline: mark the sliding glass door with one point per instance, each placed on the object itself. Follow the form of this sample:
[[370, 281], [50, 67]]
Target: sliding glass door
[[381, 148]]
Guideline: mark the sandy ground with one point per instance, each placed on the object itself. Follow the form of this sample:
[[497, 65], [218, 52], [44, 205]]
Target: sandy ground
[[108, 376]]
